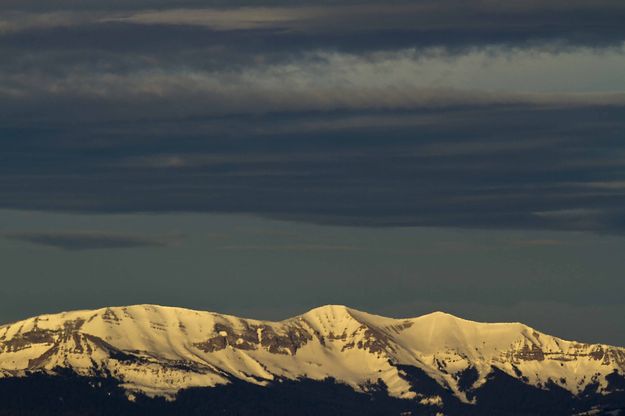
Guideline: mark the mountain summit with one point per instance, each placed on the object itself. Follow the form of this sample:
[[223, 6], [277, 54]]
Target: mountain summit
[[436, 360]]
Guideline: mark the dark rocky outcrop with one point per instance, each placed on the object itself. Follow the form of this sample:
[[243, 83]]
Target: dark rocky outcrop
[[251, 337]]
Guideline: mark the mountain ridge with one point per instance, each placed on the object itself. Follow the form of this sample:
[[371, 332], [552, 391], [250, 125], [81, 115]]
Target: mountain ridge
[[157, 351]]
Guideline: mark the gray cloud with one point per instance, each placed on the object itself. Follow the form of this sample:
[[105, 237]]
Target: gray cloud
[[320, 81], [431, 113], [481, 21], [489, 166], [91, 240], [247, 32]]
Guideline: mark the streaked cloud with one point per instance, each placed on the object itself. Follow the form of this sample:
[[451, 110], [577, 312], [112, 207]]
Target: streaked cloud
[[322, 81], [292, 247], [450, 22], [469, 114], [91, 240]]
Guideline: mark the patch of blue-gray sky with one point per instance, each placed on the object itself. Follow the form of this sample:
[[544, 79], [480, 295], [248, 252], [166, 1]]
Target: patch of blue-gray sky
[[566, 283]]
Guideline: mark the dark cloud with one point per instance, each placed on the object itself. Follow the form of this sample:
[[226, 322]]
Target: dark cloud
[[293, 247], [432, 113], [218, 36], [91, 240], [489, 166]]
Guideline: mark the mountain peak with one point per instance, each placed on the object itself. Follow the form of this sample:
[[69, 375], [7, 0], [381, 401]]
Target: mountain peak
[[440, 315], [334, 310]]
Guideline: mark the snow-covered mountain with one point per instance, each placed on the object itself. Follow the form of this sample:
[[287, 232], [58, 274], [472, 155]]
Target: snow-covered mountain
[[157, 351]]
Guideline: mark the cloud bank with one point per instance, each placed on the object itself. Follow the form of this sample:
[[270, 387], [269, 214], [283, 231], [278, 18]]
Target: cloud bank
[[460, 114]]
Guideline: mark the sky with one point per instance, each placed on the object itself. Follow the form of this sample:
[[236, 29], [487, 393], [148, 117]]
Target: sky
[[264, 157]]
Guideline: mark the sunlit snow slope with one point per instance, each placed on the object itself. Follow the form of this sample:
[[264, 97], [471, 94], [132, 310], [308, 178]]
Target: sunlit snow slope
[[159, 350]]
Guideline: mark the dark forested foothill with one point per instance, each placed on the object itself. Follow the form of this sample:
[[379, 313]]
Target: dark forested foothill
[[67, 394]]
